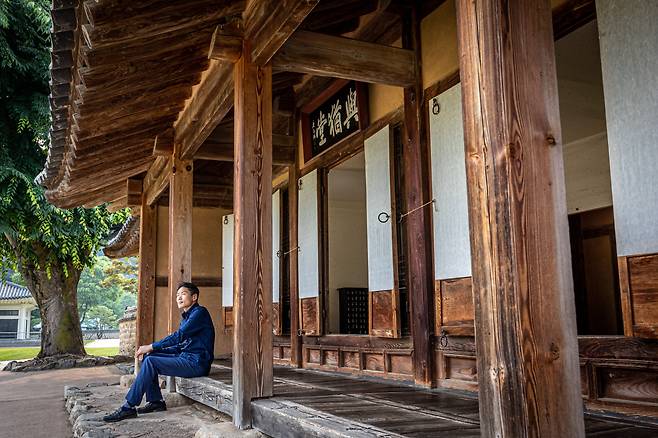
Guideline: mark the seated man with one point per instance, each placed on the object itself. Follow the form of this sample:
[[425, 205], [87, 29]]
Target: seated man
[[188, 352]]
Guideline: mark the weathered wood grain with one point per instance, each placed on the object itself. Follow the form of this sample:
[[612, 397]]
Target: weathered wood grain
[[339, 57], [252, 306], [384, 318], [180, 232], [148, 228], [309, 316], [418, 225], [525, 316], [269, 24], [643, 282]]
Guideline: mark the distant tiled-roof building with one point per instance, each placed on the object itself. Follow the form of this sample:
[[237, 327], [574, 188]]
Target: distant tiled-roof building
[[16, 305]]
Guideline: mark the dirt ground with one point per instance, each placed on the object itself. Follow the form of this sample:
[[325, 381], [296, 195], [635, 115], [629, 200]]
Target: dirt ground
[[32, 404]]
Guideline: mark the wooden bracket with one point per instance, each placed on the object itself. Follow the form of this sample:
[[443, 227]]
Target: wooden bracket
[[164, 143], [133, 192]]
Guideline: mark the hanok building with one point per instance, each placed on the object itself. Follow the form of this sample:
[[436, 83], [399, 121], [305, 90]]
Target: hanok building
[[16, 306], [455, 199]]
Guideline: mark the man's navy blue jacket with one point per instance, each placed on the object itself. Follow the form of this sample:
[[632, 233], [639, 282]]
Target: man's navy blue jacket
[[194, 339]]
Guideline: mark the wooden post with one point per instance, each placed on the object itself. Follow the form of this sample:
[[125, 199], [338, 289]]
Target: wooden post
[[418, 225], [180, 232], [295, 338], [148, 227], [252, 255], [525, 323]]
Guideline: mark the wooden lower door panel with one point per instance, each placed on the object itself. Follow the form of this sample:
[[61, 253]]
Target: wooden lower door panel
[[310, 316], [384, 314]]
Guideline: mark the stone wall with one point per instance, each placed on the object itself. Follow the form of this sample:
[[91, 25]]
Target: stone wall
[[127, 328]]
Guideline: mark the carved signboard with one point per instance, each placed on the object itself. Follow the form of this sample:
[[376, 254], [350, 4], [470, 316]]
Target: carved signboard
[[336, 114]]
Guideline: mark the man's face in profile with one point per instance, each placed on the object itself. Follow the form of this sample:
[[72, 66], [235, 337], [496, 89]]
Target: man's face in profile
[[185, 299]]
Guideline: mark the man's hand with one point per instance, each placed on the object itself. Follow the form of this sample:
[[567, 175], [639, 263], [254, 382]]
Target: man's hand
[[142, 350]]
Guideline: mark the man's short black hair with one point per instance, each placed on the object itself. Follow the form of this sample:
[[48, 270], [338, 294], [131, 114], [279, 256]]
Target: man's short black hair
[[189, 286]]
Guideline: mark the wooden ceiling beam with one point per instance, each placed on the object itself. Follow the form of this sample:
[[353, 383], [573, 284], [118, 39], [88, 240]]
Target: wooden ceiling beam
[[147, 119], [269, 24], [84, 180], [103, 143], [284, 148], [212, 101], [172, 16], [112, 151], [156, 47], [125, 74], [116, 157], [113, 110], [338, 57], [90, 198]]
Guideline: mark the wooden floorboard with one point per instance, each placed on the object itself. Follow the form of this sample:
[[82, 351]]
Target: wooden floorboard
[[309, 403]]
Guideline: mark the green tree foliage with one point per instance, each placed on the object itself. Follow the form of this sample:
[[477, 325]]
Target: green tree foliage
[[47, 245], [107, 283], [123, 273], [103, 317]]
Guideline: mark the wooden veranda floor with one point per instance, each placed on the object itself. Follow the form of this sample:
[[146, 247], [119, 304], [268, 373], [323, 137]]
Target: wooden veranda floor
[[310, 403]]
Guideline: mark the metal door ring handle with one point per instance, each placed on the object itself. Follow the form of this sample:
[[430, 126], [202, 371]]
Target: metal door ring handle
[[385, 215]]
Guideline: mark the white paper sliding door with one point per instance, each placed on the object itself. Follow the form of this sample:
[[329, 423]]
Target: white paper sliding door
[[309, 254], [383, 294], [228, 226]]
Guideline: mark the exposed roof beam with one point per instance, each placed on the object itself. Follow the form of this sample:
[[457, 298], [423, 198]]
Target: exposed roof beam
[[156, 179], [338, 57], [283, 150], [268, 25]]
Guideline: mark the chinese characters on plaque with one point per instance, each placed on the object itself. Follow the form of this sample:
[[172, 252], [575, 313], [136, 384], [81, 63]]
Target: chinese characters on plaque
[[334, 119]]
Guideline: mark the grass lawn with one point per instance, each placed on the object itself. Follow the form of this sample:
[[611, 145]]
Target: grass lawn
[[29, 352]]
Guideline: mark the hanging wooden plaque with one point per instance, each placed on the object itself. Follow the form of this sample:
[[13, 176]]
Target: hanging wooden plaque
[[338, 113]]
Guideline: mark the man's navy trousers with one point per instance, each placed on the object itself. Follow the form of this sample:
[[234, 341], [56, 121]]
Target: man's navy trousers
[[188, 352]]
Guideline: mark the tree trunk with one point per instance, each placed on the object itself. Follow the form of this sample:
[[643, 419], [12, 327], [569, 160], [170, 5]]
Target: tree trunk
[[57, 298]]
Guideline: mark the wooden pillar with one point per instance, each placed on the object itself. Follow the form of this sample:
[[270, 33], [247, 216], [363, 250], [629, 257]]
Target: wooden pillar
[[295, 338], [148, 227], [180, 232], [252, 259], [418, 225], [525, 323]]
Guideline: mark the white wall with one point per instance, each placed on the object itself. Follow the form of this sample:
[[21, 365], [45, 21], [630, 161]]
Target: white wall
[[348, 254], [628, 33]]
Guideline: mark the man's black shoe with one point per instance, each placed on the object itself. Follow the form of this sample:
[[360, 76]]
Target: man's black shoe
[[152, 407], [120, 414]]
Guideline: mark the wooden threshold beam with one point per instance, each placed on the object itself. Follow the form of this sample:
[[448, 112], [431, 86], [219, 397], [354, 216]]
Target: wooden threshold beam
[[339, 57]]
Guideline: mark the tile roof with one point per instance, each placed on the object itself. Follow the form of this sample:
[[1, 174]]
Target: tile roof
[[13, 291]]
